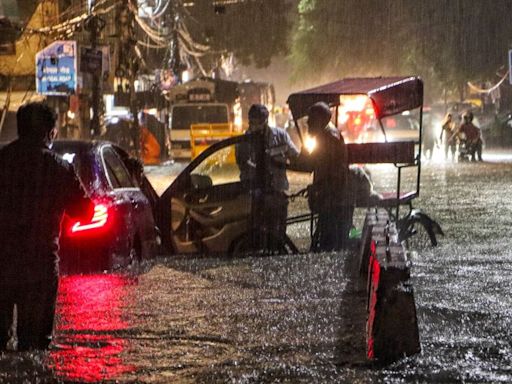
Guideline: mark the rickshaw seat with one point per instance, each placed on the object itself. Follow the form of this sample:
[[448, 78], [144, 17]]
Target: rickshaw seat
[[399, 152], [390, 199]]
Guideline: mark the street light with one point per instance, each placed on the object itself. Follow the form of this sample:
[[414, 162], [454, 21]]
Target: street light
[[185, 76]]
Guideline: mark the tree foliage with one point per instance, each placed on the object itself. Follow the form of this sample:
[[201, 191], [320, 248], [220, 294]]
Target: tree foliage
[[254, 31], [447, 42]]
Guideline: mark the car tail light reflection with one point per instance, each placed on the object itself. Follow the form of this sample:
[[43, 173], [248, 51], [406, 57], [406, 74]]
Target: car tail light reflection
[[99, 220]]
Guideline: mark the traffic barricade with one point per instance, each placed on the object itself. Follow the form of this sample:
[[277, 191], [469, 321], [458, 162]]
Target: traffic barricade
[[204, 135]]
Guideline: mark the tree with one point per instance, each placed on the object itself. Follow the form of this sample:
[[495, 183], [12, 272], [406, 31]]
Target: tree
[[253, 31], [447, 42]]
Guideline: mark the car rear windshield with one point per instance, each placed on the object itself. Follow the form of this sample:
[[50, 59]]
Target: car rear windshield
[[183, 117], [82, 160]]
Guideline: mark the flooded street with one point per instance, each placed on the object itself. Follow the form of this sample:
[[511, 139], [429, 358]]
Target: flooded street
[[297, 318], [462, 288]]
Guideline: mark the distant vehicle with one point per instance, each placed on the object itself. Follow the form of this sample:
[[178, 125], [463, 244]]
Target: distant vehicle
[[397, 127], [123, 229], [182, 116], [220, 103]]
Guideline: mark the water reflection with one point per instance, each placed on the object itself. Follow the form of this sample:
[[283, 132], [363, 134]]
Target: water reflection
[[89, 326]]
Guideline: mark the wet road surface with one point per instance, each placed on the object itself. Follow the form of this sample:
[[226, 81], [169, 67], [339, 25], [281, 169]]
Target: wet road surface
[[296, 318]]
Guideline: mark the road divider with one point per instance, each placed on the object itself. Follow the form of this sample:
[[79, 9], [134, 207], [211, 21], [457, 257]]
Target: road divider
[[392, 326]]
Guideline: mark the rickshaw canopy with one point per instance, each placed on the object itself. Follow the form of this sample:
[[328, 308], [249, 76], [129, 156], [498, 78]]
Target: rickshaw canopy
[[389, 95]]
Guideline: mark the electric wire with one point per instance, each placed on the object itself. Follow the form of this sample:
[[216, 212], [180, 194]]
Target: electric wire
[[488, 90]]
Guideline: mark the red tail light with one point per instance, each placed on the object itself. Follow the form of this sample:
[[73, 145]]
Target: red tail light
[[99, 220]]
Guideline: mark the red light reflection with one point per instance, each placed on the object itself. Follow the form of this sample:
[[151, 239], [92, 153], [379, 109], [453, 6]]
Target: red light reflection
[[374, 279], [89, 319]]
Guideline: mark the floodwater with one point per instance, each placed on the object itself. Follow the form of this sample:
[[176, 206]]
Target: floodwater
[[297, 318]]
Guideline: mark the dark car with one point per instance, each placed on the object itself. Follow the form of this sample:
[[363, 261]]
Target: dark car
[[122, 230]]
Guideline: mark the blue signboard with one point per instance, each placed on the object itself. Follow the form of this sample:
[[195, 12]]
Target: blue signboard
[[56, 69]]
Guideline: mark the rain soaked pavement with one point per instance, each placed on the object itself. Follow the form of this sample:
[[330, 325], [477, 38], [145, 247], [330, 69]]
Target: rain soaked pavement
[[297, 318]]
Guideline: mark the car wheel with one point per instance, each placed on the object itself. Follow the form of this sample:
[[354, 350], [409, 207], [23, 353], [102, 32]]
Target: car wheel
[[269, 245], [241, 246]]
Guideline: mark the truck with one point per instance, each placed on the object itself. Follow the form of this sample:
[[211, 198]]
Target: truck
[[205, 110]]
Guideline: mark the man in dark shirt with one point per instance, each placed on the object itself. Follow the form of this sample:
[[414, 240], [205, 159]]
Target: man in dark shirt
[[271, 208], [36, 188], [328, 194]]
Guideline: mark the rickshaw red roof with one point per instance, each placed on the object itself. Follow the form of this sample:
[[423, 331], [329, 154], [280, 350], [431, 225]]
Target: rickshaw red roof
[[390, 95]]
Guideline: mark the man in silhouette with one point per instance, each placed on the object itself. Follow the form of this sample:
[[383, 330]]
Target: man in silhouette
[[36, 188], [329, 191]]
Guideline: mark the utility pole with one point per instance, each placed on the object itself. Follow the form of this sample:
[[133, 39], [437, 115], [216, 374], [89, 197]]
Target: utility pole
[[175, 63], [93, 28], [129, 64], [94, 25], [175, 54], [133, 72]]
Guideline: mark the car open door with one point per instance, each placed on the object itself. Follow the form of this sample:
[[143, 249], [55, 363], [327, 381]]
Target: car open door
[[208, 207]]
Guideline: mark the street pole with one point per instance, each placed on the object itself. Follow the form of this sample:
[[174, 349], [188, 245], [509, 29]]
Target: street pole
[[96, 94], [133, 71], [128, 65], [176, 59], [135, 112]]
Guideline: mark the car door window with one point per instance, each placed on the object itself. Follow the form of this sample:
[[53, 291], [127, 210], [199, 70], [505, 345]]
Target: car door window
[[217, 169], [116, 171]]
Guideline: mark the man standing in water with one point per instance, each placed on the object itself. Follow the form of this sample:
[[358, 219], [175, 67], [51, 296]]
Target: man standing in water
[[36, 188], [329, 192], [278, 148], [450, 141]]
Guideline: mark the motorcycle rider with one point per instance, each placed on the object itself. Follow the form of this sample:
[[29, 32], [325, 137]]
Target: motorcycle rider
[[471, 136]]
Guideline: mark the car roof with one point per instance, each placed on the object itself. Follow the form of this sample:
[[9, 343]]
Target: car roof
[[83, 145], [75, 145]]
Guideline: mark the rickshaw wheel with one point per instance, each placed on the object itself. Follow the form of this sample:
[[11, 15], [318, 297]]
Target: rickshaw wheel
[[419, 237]]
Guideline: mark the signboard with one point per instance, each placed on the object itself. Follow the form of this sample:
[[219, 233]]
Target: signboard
[[166, 78], [91, 60], [199, 96], [56, 69]]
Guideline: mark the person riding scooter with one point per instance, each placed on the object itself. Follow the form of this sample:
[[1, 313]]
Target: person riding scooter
[[470, 137]]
